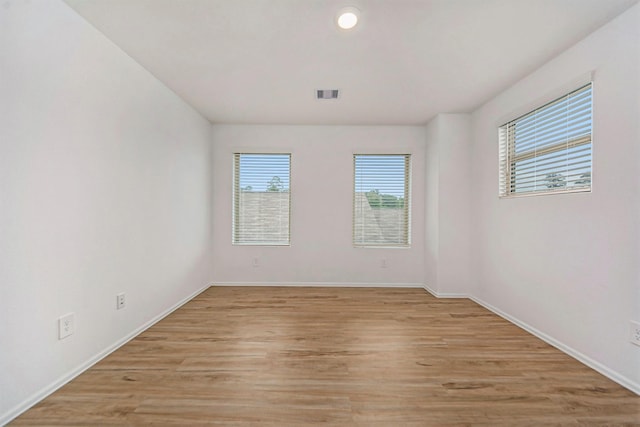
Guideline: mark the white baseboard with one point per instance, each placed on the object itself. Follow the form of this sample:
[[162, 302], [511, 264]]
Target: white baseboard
[[444, 294], [40, 395], [324, 284], [614, 376], [597, 366]]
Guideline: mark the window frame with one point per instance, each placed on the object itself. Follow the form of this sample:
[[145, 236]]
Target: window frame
[[507, 157], [235, 214], [407, 203]]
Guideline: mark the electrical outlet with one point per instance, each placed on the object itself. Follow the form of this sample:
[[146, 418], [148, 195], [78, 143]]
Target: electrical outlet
[[634, 332], [255, 262], [66, 325], [120, 301]]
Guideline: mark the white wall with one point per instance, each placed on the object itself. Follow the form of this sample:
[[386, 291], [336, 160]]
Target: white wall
[[448, 204], [432, 210], [321, 250], [104, 188], [568, 265]]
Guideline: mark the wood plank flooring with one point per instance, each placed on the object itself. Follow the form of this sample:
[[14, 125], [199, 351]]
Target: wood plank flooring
[[336, 356]]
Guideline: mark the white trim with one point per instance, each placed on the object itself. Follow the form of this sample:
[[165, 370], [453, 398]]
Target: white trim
[[64, 379], [595, 365], [545, 193], [324, 284], [444, 294]]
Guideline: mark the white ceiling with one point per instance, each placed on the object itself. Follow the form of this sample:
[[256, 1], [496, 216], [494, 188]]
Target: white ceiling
[[260, 61]]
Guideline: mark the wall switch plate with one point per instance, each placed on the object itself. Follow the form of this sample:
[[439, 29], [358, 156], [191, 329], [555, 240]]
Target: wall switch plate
[[255, 262], [383, 263], [120, 301], [66, 325], [634, 332]]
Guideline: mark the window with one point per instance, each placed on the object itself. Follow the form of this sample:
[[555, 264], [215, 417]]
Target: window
[[381, 200], [549, 149], [261, 199]]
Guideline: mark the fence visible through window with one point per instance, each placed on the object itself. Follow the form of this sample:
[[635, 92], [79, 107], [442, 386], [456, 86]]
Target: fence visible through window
[[262, 199]]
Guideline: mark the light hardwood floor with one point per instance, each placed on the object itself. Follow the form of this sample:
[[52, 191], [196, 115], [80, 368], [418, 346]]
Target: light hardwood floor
[[336, 356]]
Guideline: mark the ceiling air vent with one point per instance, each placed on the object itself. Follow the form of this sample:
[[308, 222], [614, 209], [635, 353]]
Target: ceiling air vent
[[327, 94]]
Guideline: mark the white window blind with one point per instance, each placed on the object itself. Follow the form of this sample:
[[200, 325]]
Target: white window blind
[[261, 199], [381, 200], [549, 149]]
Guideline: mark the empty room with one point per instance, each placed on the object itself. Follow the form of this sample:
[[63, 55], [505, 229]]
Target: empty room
[[301, 212]]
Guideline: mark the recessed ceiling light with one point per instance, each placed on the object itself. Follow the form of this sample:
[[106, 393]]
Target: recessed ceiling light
[[348, 18]]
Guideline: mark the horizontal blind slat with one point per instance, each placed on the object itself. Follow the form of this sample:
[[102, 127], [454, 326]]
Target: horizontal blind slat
[[261, 199], [548, 149], [381, 200]]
